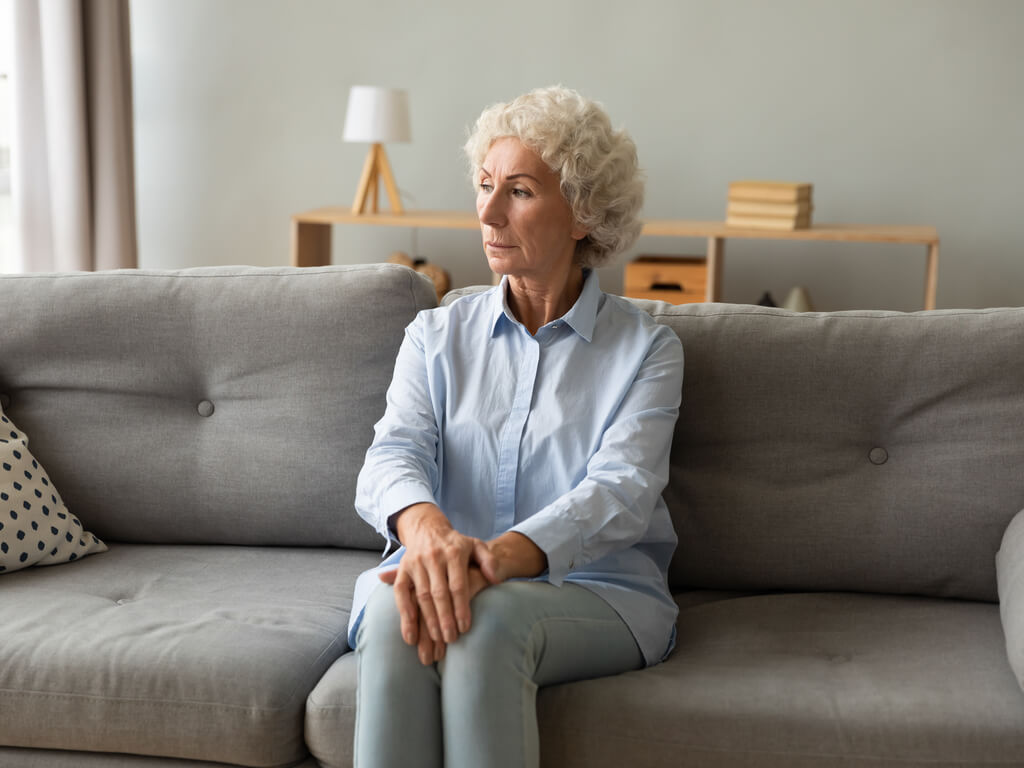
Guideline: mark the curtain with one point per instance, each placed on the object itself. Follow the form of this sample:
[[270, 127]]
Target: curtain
[[72, 164]]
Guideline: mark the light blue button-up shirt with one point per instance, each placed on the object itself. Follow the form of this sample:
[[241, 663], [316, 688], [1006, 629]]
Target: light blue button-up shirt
[[563, 437]]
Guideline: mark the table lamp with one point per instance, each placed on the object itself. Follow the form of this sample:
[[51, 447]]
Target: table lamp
[[377, 115]]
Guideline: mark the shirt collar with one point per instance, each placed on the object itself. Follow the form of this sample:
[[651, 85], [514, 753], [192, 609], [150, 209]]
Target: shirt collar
[[582, 317]]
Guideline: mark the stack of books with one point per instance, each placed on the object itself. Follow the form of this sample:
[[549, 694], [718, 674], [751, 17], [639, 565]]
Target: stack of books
[[769, 205]]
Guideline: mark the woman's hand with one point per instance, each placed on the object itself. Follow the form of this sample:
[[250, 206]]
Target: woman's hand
[[513, 556], [429, 651], [432, 583], [442, 570]]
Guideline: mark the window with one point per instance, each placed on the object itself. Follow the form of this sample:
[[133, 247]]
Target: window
[[8, 258]]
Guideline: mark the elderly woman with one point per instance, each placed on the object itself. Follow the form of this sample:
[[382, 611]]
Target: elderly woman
[[520, 462]]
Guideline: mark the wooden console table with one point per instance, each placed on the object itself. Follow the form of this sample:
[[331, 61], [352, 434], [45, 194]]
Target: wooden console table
[[311, 237]]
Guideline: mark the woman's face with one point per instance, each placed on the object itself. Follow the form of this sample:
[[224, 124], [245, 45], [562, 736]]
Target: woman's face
[[527, 226]]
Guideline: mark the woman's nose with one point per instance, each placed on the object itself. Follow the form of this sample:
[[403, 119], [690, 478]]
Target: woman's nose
[[490, 209]]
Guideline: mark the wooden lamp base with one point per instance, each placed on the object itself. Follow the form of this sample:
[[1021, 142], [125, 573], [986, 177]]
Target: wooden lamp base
[[374, 169]]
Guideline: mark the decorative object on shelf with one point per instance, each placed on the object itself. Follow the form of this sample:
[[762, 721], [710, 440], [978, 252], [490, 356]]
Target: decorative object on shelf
[[784, 205], [377, 115], [438, 275], [675, 279], [798, 300]]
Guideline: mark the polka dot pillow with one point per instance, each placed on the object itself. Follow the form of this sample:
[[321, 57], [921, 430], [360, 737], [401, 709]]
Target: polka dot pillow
[[35, 526]]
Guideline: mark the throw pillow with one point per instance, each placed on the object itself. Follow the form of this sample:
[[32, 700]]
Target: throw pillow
[[35, 526]]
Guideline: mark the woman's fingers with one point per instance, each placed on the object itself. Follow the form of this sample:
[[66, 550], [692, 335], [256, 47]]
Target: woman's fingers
[[438, 567], [423, 592], [427, 650], [408, 606], [438, 593], [458, 586]]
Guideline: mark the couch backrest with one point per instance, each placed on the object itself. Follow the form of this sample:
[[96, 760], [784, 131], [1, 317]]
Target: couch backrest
[[221, 405], [864, 451]]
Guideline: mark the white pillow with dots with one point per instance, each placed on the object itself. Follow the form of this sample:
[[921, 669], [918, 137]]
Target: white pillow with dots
[[35, 526]]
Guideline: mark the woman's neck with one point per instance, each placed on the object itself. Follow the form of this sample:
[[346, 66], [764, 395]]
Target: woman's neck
[[536, 304]]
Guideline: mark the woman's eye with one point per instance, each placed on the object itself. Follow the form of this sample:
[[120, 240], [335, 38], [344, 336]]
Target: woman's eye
[[485, 186], [521, 192]]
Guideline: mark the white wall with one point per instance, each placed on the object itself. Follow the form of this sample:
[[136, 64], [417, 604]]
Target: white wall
[[899, 112]]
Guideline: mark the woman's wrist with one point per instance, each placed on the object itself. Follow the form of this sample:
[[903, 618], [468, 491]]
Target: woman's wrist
[[518, 556], [417, 517]]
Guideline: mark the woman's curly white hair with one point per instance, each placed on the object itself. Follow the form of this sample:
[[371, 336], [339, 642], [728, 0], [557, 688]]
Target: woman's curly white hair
[[600, 177]]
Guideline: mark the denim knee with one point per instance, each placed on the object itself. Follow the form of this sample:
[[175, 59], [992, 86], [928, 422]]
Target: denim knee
[[499, 636], [381, 623]]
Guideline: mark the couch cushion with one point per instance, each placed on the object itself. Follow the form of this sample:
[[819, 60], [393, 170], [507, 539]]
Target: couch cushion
[[35, 526], [803, 680], [864, 451], [204, 653], [51, 758], [1010, 572], [224, 405], [331, 715], [774, 680], [331, 708]]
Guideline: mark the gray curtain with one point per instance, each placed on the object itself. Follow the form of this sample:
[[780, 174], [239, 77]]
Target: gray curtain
[[72, 164]]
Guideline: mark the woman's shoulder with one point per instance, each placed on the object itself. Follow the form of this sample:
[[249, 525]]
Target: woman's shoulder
[[625, 311], [627, 316], [457, 307]]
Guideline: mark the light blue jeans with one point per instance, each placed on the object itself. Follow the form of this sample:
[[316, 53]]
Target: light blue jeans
[[477, 706]]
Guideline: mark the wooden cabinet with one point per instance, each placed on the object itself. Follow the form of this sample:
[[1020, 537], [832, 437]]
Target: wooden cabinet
[[675, 279]]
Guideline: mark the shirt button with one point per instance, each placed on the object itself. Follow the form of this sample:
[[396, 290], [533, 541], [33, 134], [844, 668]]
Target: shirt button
[[878, 456], [205, 408]]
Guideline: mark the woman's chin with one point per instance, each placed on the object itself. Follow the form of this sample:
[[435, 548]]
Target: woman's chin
[[498, 264]]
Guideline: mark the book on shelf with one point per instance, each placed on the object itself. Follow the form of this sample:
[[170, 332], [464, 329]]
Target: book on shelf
[[769, 222], [757, 208], [770, 191]]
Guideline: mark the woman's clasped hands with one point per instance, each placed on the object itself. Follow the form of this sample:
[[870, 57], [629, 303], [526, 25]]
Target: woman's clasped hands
[[442, 571]]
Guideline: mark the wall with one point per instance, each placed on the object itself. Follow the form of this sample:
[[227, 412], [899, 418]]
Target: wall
[[899, 112]]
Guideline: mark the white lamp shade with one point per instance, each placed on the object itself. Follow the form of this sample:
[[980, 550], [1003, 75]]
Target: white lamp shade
[[377, 115]]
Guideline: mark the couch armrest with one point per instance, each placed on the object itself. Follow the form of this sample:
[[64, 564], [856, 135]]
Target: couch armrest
[[1010, 577]]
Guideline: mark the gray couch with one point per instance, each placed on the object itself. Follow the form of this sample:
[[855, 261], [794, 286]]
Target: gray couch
[[841, 486]]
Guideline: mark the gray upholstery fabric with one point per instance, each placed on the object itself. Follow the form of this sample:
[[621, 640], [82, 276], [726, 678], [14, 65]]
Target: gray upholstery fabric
[[163, 417], [774, 680], [803, 680], [197, 652], [331, 715], [862, 451], [1010, 572], [49, 758]]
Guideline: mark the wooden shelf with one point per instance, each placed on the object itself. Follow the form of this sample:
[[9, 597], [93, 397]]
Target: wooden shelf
[[851, 233], [311, 237], [413, 219]]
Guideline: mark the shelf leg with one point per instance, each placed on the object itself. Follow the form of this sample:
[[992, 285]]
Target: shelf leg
[[311, 244], [931, 276], [716, 261]]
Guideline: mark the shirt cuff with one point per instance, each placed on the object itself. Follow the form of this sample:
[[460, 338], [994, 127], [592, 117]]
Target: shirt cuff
[[395, 499], [559, 539]]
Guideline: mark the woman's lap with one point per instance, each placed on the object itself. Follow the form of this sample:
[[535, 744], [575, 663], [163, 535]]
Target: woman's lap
[[524, 634]]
